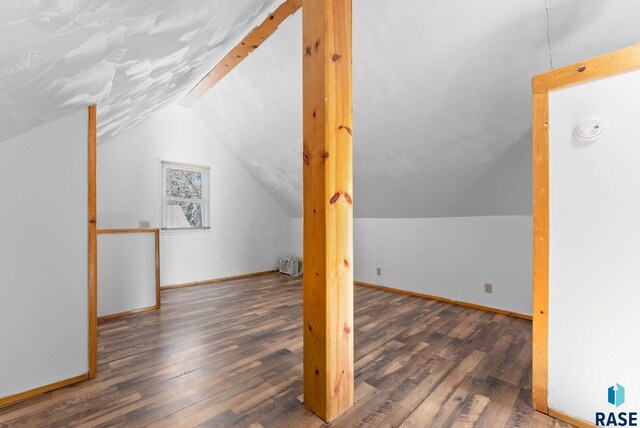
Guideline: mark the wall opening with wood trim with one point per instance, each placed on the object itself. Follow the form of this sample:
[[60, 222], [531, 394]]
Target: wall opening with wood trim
[[586, 237]]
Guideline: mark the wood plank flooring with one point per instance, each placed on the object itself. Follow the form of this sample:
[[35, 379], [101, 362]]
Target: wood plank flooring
[[230, 354]]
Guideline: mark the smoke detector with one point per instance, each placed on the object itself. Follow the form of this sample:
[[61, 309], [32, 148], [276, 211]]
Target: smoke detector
[[589, 129]]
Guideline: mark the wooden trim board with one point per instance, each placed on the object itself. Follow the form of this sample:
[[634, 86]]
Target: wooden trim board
[[127, 313], [444, 299], [157, 247], [93, 245], [366, 284], [108, 231], [12, 399], [580, 423], [212, 281], [607, 65], [540, 329], [248, 44], [613, 63]]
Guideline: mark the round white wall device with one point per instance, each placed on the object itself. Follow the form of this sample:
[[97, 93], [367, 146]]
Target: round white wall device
[[589, 129]]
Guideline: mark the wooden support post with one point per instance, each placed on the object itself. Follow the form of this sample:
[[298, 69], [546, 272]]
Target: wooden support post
[[328, 207], [93, 247], [157, 247], [540, 333]]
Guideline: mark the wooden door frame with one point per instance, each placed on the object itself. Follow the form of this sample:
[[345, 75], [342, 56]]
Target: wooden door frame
[[610, 64]]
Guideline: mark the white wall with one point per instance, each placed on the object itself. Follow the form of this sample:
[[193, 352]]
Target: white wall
[[455, 155], [447, 257], [127, 272], [594, 249], [43, 255], [249, 229]]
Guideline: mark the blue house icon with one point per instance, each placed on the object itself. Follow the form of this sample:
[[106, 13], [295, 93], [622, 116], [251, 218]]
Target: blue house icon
[[616, 395]]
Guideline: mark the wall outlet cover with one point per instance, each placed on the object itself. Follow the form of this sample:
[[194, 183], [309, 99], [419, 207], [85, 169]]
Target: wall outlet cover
[[488, 288], [379, 271]]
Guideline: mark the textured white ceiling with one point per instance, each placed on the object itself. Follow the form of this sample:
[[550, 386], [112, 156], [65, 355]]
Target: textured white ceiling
[[442, 103], [130, 57], [441, 89]]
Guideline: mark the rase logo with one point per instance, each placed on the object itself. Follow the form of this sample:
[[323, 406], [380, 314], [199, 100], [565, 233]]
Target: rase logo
[[615, 396]]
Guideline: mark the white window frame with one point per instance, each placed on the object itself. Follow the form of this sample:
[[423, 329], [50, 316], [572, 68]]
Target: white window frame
[[205, 201]]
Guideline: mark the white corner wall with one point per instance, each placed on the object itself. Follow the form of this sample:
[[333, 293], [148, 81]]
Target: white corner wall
[[449, 257], [249, 229], [126, 273], [594, 245], [43, 255]]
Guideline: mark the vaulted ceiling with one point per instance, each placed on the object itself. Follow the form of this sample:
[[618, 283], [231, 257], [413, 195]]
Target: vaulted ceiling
[[130, 57], [441, 89], [442, 104]]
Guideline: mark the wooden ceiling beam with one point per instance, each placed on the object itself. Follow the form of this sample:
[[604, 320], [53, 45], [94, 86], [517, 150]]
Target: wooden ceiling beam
[[242, 50]]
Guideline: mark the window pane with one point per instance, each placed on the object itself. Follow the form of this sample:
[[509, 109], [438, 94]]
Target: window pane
[[183, 183], [182, 214]]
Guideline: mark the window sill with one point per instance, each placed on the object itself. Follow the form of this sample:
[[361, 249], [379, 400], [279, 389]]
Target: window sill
[[186, 234], [182, 229]]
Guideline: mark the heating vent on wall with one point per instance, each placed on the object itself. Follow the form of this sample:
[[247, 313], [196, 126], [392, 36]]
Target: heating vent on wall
[[290, 266]]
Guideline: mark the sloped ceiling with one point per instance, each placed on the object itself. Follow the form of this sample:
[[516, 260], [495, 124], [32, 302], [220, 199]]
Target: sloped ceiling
[[441, 88], [442, 103], [130, 57]]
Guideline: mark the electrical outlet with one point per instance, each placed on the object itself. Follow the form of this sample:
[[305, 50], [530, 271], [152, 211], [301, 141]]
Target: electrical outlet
[[379, 271], [488, 288]]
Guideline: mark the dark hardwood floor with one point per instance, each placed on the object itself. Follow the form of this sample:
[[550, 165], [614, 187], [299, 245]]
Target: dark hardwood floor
[[230, 354]]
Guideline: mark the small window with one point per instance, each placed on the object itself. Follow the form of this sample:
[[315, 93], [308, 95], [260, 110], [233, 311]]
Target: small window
[[185, 196]]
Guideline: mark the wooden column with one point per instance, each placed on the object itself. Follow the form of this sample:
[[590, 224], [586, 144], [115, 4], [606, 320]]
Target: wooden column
[[93, 247], [540, 355], [328, 207]]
